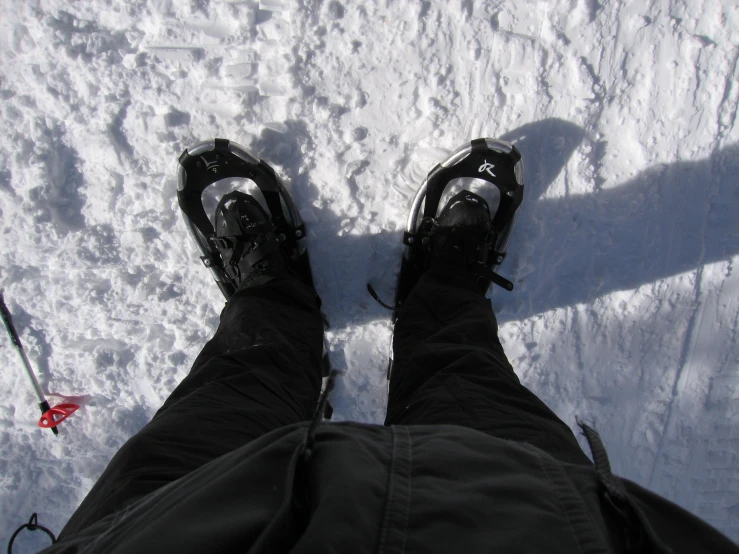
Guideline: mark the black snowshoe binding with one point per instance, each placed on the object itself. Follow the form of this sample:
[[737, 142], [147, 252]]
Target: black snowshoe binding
[[248, 244], [462, 237], [465, 233], [246, 240]]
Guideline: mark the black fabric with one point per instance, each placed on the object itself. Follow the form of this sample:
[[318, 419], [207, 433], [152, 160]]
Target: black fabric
[[470, 460], [449, 367], [412, 489], [260, 371]]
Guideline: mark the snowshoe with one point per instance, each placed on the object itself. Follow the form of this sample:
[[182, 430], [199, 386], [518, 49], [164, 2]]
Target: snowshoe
[[469, 230], [248, 242]]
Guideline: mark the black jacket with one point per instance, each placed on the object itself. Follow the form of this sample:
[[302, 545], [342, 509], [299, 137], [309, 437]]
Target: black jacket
[[366, 488]]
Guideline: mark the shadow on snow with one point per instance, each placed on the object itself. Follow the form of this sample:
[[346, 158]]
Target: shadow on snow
[[669, 219]]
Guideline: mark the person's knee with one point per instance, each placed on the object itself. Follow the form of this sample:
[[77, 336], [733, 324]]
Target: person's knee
[[140, 457]]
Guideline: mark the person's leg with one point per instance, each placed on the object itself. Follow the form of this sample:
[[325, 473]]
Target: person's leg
[[449, 368], [261, 371]]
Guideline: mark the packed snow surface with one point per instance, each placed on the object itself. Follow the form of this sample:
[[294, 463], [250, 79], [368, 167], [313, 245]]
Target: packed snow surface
[[626, 305]]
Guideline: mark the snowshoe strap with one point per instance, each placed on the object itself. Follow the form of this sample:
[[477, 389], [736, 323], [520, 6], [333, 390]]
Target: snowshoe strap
[[234, 257], [243, 249], [231, 257], [471, 242], [373, 294], [478, 253], [485, 272], [260, 252]]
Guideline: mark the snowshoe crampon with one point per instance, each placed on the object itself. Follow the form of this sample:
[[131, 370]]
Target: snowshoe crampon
[[491, 168], [216, 160]]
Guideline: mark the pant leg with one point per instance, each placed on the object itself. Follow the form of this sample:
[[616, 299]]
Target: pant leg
[[450, 368], [261, 371]]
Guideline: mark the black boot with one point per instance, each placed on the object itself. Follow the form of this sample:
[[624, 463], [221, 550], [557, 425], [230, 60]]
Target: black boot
[[462, 237], [246, 241]]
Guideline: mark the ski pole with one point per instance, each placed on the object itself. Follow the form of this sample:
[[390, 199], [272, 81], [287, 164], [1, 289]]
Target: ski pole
[[15, 339]]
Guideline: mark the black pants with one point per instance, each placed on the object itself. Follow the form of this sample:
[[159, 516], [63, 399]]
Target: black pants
[[262, 371]]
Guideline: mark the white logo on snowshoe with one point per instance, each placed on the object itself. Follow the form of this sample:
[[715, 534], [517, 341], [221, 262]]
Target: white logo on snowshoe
[[487, 167], [209, 164]]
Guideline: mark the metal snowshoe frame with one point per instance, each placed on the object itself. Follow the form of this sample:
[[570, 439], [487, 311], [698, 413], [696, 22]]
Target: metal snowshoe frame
[[477, 159], [215, 160]]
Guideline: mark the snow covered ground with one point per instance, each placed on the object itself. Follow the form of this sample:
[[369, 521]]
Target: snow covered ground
[[626, 308]]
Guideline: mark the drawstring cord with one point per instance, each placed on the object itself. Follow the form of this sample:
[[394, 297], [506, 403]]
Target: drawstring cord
[[301, 491], [310, 437], [638, 534]]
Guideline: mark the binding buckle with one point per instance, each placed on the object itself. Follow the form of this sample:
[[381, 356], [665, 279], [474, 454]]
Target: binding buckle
[[232, 272], [223, 243]]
